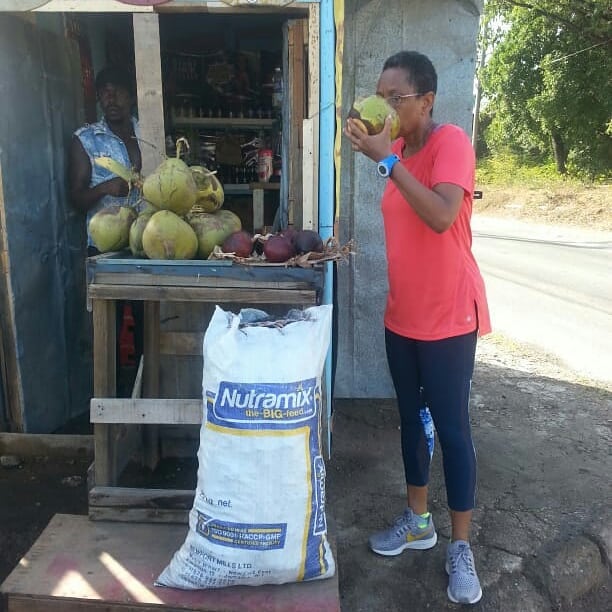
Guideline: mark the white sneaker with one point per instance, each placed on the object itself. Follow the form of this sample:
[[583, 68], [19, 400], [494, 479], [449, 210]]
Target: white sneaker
[[463, 583]]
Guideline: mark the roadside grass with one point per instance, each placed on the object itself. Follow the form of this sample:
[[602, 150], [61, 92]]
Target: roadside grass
[[536, 192], [507, 170]]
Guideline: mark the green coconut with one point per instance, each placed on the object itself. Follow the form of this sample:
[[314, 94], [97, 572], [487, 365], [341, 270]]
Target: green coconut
[[213, 228], [171, 186], [210, 190], [370, 113], [147, 208], [136, 231], [109, 228], [167, 236]]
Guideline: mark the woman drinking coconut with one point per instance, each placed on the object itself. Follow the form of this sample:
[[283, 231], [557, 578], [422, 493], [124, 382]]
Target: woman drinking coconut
[[436, 305]]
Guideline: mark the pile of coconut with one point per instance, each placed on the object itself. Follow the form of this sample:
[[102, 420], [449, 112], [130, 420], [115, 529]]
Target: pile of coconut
[[181, 217], [181, 214]]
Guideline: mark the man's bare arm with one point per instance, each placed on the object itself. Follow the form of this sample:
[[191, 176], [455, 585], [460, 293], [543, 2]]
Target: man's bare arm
[[83, 196]]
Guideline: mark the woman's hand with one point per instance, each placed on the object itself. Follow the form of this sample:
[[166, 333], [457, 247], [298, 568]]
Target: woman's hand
[[375, 147]]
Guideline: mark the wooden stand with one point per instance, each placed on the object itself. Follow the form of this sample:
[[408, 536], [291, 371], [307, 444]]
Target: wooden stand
[[125, 428], [79, 565]]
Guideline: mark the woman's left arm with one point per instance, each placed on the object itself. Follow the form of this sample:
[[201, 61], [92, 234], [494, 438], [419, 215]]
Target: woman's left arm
[[438, 207]]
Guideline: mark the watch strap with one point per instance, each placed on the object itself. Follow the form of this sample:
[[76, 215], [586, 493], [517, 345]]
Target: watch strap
[[385, 165]]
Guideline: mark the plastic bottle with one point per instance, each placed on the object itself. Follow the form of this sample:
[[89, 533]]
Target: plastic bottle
[[264, 169], [428, 427], [277, 88]]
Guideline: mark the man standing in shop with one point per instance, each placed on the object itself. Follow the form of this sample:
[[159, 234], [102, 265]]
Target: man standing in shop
[[115, 135], [92, 187]]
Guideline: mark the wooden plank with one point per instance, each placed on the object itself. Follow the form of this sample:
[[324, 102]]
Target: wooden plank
[[309, 175], [114, 445], [127, 445], [200, 271], [198, 294], [5, 419], [297, 101], [94, 6], [104, 358], [11, 378], [104, 347], [310, 203], [123, 504], [97, 566], [151, 349], [175, 6], [146, 411], [126, 497], [26, 603], [151, 451], [313, 59], [181, 343], [181, 374], [52, 445], [298, 82], [258, 210], [147, 57], [235, 7], [112, 278], [139, 515]]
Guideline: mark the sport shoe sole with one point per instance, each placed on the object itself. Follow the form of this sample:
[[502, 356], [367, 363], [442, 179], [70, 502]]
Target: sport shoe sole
[[423, 544], [468, 601]]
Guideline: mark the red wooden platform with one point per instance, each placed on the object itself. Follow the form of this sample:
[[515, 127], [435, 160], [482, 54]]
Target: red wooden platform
[[78, 565]]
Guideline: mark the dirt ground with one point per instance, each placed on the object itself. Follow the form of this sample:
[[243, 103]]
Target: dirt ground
[[30, 495], [542, 439], [32, 492], [541, 483]]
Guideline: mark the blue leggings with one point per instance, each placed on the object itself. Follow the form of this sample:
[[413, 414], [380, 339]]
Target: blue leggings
[[438, 374]]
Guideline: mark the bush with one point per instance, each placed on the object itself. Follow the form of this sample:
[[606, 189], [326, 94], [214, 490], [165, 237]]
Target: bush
[[511, 169]]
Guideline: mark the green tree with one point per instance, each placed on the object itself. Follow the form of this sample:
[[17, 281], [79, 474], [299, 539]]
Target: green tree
[[547, 81]]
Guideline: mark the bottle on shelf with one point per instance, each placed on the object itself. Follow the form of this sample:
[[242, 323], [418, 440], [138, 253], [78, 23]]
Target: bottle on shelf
[[264, 170]]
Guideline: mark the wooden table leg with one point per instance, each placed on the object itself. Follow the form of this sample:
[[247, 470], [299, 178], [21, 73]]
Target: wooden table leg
[[105, 385], [151, 371]]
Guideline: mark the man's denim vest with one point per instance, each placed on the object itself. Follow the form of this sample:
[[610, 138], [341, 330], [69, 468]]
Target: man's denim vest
[[99, 140]]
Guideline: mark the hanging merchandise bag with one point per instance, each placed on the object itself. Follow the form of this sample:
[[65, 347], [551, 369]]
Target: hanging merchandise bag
[[259, 510]]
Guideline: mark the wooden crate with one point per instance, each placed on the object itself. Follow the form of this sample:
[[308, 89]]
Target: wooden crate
[[78, 565], [130, 427]]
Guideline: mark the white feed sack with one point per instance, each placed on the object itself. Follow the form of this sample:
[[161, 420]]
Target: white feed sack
[[259, 510]]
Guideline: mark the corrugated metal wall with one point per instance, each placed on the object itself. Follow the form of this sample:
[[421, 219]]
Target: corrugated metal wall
[[45, 296]]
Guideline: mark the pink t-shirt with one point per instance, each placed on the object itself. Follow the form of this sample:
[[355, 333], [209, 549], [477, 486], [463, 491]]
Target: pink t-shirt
[[435, 287]]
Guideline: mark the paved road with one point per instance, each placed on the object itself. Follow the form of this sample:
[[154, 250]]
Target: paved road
[[550, 287]]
